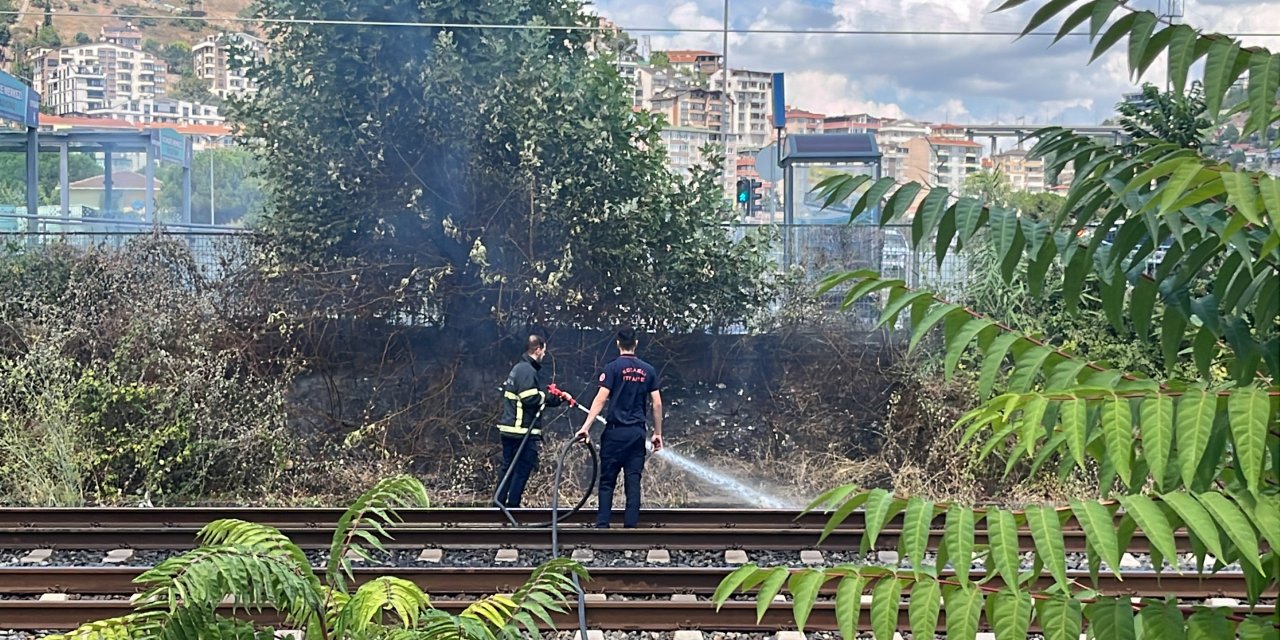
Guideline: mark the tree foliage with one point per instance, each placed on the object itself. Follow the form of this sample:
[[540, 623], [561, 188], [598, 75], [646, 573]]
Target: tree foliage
[[259, 568], [1174, 117], [486, 174], [13, 175], [239, 192], [1175, 455]]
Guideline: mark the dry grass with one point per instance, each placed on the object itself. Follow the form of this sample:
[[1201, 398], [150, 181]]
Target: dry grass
[[88, 16]]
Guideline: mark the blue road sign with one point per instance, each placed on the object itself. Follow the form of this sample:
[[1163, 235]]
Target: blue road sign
[[171, 146], [18, 102]]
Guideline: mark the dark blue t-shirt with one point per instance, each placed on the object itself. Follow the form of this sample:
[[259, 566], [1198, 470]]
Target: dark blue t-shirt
[[629, 380]]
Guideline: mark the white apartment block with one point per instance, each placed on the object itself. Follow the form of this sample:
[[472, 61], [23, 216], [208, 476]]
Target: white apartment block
[[162, 111], [121, 34], [684, 147], [692, 107], [751, 107], [941, 162], [892, 137], [651, 81], [92, 76], [214, 61], [1024, 172]]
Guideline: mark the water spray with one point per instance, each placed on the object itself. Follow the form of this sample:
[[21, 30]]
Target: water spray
[[712, 477]]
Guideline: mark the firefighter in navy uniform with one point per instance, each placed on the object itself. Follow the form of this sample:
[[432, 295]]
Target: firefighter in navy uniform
[[629, 385], [524, 398]]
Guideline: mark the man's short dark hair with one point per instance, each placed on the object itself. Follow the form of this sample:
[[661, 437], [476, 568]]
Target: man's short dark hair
[[534, 343], [627, 338]]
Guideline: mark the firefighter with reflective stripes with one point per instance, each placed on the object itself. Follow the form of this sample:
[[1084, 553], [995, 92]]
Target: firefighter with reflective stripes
[[524, 397]]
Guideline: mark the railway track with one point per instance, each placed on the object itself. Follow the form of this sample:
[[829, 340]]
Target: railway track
[[471, 528], [625, 598], [623, 581]]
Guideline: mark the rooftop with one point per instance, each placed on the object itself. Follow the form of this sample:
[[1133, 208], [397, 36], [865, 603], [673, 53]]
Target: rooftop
[[952, 142], [831, 147], [119, 180]]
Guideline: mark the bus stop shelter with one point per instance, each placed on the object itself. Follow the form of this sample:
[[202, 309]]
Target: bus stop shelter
[[163, 144], [20, 104]]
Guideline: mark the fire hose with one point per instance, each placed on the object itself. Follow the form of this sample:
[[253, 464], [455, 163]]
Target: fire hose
[[556, 517]]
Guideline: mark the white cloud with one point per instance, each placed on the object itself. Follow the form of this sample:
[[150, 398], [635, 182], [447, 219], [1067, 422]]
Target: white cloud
[[833, 93], [928, 76]]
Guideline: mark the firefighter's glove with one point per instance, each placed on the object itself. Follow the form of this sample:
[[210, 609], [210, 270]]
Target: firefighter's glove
[[563, 395]]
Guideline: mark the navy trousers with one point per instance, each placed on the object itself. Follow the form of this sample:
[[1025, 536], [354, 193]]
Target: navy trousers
[[621, 450], [513, 491]]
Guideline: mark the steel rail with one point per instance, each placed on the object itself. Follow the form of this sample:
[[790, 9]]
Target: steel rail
[[459, 537], [119, 517], [32, 581], [621, 615]]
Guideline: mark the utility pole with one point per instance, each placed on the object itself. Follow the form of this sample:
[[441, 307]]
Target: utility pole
[[212, 220], [729, 161]]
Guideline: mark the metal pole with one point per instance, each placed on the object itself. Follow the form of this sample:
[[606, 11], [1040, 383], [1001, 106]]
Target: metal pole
[[148, 202], [186, 183], [212, 219], [33, 176], [788, 213], [64, 189], [108, 181], [729, 161]]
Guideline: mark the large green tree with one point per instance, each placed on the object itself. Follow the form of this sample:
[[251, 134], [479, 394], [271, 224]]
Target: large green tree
[[1187, 456], [485, 174], [239, 190], [13, 175]]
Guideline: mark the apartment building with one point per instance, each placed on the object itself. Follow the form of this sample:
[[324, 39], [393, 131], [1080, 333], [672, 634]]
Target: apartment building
[[953, 131], [695, 61], [162, 111], [750, 109], [123, 35], [851, 123], [94, 76], [690, 107], [801, 121], [684, 147], [216, 58], [942, 162], [1025, 173], [892, 137]]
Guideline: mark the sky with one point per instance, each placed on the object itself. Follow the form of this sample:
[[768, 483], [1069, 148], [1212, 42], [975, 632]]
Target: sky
[[964, 79]]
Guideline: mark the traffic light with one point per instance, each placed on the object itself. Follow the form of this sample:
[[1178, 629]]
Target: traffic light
[[754, 194], [744, 191]]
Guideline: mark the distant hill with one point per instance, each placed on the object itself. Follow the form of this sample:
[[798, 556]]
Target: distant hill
[[159, 20]]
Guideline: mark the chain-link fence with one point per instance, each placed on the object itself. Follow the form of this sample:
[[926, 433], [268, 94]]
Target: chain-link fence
[[818, 250], [215, 252], [821, 250]]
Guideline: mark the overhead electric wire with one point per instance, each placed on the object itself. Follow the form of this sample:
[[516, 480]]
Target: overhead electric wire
[[576, 27]]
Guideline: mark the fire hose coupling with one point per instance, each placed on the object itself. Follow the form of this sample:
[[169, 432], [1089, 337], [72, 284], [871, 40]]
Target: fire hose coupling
[[563, 395]]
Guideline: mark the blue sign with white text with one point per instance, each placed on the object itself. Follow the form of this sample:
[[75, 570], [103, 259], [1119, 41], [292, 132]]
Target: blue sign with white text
[[18, 102], [171, 146]]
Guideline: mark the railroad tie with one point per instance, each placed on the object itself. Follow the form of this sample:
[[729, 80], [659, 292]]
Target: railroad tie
[[658, 556], [36, 556], [118, 556], [811, 556]]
